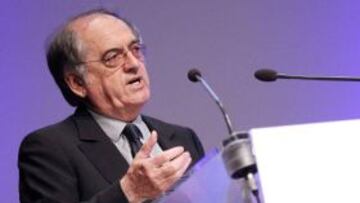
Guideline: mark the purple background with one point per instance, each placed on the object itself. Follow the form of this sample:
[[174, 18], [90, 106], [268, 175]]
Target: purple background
[[226, 40]]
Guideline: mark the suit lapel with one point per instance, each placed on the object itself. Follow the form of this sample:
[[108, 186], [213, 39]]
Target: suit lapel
[[103, 154], [165, 133], [98, 148]]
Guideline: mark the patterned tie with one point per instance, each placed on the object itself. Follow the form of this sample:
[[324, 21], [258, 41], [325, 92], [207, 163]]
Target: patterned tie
[[133, 135]]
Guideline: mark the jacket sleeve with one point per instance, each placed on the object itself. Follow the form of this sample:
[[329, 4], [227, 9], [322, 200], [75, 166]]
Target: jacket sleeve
[[197, 145], [47, 176]]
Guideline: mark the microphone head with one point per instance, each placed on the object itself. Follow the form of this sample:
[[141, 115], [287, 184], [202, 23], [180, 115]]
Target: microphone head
[[266, 75], [193, 75]]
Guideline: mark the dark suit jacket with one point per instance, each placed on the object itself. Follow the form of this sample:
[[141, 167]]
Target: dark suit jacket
[[74, 161]]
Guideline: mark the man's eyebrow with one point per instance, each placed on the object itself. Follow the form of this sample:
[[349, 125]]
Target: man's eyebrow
[[135, 41], [119, 49]]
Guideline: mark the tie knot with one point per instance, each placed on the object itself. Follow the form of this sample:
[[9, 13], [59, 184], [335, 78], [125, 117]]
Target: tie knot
[[132, 132]]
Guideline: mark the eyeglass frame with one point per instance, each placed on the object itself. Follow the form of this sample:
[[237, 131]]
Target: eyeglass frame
[[120, 55]]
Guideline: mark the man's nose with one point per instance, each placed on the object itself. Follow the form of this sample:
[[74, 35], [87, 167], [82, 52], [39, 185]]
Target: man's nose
[[131, 62]]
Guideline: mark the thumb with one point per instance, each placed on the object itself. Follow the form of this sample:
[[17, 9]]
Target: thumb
[[147, 147]]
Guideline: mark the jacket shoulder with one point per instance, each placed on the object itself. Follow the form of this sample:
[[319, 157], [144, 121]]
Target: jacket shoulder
[[54, 132]]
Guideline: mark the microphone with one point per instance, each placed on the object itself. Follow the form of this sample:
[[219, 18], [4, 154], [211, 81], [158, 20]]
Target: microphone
[[194, 75], [237, 154], [268, 75]]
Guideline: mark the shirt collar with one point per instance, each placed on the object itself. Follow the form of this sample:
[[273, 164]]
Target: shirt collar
[[113, 127]]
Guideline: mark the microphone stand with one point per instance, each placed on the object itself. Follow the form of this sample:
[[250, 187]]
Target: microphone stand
[[236, 154]]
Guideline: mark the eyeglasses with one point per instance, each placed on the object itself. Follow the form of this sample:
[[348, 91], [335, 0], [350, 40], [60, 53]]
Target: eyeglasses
[[116, 57]]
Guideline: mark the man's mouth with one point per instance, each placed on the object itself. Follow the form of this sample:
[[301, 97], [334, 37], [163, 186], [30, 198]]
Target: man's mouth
[[135, 81]]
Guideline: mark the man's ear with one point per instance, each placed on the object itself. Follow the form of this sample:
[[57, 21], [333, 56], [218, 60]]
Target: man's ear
[[76, 84]]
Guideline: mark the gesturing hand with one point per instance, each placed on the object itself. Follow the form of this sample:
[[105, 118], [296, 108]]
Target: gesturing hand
[[148, 177]]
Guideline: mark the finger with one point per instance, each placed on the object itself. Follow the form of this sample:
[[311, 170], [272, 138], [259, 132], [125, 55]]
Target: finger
[[147, 147], [169, 181], [172, 167], [185, 166], [167, 155], [180, 161]]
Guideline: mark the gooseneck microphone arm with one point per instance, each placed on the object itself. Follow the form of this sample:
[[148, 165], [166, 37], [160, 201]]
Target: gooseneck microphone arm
[[194, 75], [268, 75], [324, 78]]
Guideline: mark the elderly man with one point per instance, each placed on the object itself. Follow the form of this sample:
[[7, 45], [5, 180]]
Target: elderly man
[[106, 151]]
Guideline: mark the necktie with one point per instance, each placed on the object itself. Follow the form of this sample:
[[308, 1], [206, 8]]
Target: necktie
[[133, 135]]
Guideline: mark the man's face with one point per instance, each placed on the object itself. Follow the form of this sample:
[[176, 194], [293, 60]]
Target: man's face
[[119, 90]]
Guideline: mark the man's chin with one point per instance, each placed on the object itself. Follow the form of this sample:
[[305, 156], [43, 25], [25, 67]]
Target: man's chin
[[139, 101]]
